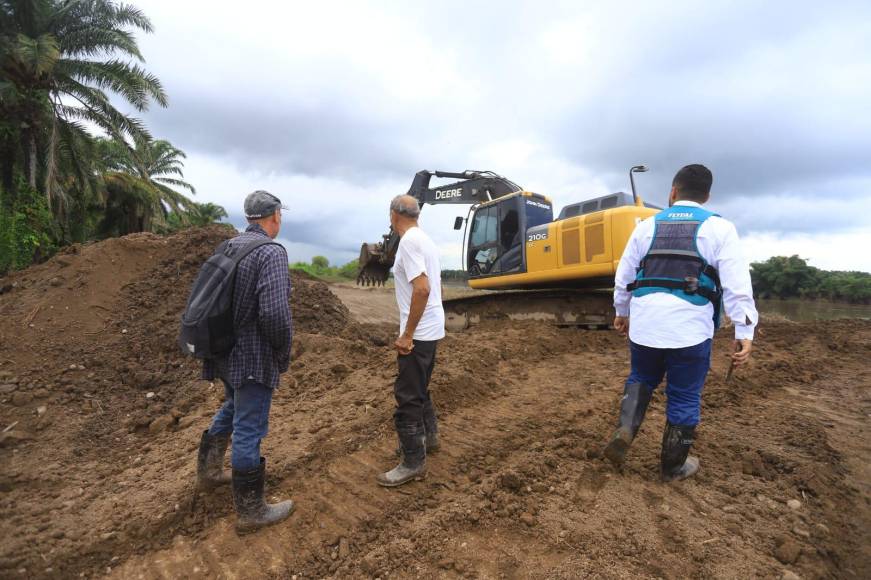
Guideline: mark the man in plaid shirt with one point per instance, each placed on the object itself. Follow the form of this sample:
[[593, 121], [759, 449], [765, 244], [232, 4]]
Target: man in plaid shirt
[[263, 330]]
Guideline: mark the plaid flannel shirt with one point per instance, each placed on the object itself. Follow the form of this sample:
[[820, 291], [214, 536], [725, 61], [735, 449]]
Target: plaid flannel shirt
[[261, 317]]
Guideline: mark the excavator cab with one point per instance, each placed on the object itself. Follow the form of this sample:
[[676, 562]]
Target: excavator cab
[[497, 234]]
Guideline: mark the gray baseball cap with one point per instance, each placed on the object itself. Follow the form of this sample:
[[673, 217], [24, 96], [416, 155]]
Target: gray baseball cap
[[261, 204]]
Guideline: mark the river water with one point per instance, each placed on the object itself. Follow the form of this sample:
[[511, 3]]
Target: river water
[[792, 309], [809, 310]]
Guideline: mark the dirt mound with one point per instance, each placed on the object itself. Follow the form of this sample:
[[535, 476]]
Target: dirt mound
[[112, 308], [316, 310], [90, 372]]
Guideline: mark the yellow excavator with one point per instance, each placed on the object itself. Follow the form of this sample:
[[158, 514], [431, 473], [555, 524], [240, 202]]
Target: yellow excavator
[[545, 268]]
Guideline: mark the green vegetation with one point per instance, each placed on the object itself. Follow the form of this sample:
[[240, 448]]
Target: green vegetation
[[61, 62], [320, 268], [782, 277], [26, 233]]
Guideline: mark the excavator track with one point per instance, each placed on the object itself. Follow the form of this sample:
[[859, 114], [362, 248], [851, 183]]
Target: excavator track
[[581, 308]]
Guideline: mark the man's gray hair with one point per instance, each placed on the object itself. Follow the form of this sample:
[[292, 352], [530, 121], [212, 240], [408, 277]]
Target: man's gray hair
[[405, 205]]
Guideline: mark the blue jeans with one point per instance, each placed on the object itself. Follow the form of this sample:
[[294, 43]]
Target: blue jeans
[[245, 414], [685, 370]]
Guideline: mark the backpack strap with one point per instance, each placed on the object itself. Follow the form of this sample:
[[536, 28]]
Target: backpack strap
[[240, 252], [689, 285]]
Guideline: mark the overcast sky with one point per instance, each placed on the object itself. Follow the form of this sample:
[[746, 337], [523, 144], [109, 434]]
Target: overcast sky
[[334, 106]]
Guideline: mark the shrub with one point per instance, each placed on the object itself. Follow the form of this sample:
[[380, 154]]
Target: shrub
[[320, 268], [27, 230]]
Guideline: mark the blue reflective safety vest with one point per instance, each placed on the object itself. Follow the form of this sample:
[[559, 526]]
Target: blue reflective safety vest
[[673, 263]]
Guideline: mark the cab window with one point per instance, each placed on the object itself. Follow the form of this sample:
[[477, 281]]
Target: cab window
[[509, 228], [537, 213], [484, 227], [572, 211], [609, 202], [484, 242]]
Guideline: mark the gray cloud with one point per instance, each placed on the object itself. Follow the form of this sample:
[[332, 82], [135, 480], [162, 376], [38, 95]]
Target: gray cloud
[[283, 137], [306, 238], [773, 97], [773, 100]]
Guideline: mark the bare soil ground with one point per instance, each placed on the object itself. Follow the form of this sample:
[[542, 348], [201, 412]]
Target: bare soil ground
[[101, 418], [371, 305]]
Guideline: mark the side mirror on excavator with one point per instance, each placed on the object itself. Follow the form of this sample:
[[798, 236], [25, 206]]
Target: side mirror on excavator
[[458, 222]]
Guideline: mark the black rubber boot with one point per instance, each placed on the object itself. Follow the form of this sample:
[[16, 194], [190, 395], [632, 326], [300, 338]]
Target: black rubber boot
[[210, 461], [432, 443], [431, 426], [636, 398], [252, 511], [412, 463], [676, 462]]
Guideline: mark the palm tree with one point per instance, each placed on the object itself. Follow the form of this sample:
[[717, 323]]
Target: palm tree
[[207, 213], [138, 178], [59, 59]]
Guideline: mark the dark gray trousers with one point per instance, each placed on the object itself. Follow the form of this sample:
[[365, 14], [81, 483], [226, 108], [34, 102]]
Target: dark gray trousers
[[415, 414]]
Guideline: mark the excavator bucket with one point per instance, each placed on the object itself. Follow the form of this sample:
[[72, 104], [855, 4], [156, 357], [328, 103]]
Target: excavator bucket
[[373, 269]]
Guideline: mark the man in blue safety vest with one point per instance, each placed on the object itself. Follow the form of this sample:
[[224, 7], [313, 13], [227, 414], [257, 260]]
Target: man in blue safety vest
[[677, 271]]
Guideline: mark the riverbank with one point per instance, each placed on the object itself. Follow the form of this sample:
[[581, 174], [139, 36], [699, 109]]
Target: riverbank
[[799, 310]]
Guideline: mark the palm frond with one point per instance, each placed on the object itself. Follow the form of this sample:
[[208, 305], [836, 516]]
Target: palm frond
[[129, 15], [90, 41], [177, 183], [98, 110], [128, 80]]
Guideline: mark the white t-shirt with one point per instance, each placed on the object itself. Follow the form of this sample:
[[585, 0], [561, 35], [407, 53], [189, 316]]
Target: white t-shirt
[[416, 255]]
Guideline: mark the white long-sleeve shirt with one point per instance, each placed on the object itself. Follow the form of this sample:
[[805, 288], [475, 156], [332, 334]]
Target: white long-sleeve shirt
[[662, 320]]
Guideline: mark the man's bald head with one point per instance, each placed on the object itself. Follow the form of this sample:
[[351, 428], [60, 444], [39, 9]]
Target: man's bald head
[[406, 206]]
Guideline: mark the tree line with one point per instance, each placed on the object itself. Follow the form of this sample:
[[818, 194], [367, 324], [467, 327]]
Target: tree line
[[73, 167], [320, 268], [792, 277], [777, 277]]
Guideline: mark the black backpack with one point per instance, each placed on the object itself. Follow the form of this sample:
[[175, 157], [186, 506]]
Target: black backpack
[[207, 322]]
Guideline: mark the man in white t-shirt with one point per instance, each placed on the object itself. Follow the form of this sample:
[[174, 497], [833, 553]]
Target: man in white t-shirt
[[417, 276]]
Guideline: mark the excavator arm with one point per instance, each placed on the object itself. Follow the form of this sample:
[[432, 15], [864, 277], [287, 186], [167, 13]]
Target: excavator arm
[[474, 187]]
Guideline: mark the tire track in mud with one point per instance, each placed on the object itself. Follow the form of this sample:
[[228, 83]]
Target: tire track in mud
[[723, 524], [519, 490], [337, 497]]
